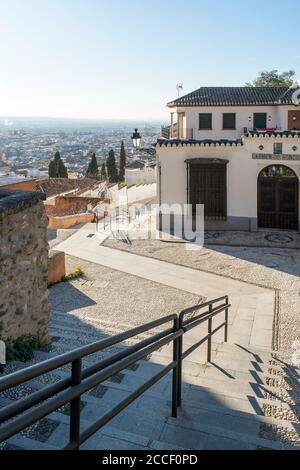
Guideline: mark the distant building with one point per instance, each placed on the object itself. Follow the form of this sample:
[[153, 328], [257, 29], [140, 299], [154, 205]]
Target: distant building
[[139, 172]]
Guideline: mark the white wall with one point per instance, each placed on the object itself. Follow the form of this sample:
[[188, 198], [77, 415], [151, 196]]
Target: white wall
[[277, 116], [144, 175], [129, 195], [242, 172]]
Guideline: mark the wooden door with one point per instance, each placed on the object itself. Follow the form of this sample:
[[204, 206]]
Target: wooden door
[[294, 120], [208, 187], [278, 197]]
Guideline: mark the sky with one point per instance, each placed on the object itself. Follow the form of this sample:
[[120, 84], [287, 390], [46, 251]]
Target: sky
[[122, 59]]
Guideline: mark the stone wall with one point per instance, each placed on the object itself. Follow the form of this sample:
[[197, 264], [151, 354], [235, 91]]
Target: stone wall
[[64, 205], [24, 307], [69, 220], [56, 266]]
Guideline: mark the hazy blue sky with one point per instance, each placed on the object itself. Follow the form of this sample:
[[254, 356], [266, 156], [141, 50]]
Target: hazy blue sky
[[122, 58]]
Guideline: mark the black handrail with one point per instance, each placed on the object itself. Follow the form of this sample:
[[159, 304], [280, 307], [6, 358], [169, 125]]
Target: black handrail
[[197, 320], [82, 380]]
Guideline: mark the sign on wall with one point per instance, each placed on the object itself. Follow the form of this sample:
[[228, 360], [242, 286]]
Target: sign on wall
[[271, 156]]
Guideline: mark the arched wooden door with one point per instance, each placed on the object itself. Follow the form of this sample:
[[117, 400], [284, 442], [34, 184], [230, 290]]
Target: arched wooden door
[[278, 198]]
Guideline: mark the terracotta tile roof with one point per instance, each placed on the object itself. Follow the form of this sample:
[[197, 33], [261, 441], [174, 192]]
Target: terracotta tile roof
[[235, 96], [56, 186]]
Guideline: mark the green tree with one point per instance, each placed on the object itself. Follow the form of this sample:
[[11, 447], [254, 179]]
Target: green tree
[[57, 168], [273, 79], [57, 157], [52, 169], [93, 169], [112, 171], [103, 172], [62, 170], [122, 162]]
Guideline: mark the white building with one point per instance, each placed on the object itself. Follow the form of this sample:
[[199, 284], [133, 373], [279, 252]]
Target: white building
[[139, 172], [237, 151]]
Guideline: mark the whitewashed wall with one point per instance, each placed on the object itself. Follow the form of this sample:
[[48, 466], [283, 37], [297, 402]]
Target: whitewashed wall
[[277, 116], [242, 172], [132, 194], [140, 176]]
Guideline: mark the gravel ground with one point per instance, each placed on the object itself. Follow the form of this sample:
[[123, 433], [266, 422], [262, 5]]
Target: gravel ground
[[276, 268], [128, 299]]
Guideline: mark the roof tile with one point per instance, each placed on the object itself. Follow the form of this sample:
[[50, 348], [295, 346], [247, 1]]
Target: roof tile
[[236, 96]]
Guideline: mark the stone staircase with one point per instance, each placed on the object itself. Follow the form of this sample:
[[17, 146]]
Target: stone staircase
[[245, 399]]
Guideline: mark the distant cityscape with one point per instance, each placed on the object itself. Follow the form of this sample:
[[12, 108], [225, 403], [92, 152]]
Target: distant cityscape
[[28, 144]]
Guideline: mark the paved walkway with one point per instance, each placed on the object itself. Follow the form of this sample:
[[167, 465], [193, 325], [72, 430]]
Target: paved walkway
[[252, 311]]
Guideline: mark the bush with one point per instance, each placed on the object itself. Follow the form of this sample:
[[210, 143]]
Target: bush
[[68, 277], [74, 275], [22, 349]]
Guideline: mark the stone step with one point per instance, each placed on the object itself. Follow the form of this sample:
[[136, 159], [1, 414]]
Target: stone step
[[89, 320], [203, 396], [213, 370], [133, 421], [192, 374], [137, 428], [221, 435], [145, 412], [121, 385], [150, 408], [256, 385], [22, 443]]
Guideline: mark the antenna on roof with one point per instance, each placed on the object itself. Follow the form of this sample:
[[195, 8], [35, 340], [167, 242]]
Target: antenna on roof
[[179, 87]]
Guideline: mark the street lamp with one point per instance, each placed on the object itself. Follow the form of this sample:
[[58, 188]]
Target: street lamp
[[136, 139]]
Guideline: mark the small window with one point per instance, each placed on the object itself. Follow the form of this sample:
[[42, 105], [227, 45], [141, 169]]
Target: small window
[[205, 121], [229, 121], [278, 149]]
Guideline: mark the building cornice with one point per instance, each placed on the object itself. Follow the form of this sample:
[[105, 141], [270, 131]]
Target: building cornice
[[198, 143], [272, 134]]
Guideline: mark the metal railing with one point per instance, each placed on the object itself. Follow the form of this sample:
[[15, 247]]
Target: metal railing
[[175, 132], [270, 130], [30, 409], [211, 309]]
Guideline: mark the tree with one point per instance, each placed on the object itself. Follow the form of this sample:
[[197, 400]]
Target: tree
[[112, 171], [93, 169], [103, 172], [273, 79], [57, 157], [122, 162], [62, 170], [52, 170], [57, 167]]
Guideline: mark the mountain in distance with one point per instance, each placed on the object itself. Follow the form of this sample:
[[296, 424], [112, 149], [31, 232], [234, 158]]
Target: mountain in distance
[[61, 124]]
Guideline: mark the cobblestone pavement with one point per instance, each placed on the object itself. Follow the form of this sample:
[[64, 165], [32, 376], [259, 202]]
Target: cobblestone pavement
[[128, 299], [276, 268], [262, 238]]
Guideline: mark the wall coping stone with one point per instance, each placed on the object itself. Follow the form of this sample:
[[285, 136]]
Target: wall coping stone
[[13, 201]]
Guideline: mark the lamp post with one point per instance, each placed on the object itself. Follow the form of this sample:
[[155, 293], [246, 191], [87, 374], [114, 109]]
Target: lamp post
[[136, 139]]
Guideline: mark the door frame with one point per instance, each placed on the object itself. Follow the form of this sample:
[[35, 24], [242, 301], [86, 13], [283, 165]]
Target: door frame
[[276, 182]]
